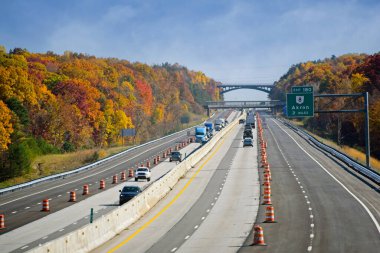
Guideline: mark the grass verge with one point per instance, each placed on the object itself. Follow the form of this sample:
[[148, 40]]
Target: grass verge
[[355, 154]]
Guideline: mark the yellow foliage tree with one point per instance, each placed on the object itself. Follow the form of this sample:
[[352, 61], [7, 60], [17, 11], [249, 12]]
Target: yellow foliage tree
[[6, 128]]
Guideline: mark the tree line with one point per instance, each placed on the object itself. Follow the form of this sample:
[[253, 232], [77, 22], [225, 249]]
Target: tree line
[[52, 103], [347, 74]]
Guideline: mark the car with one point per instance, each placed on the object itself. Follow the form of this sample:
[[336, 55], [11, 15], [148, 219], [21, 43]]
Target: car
[[128, 193], [247, 134], [142, 173], [175, 156], [247, 142], [241, 121]]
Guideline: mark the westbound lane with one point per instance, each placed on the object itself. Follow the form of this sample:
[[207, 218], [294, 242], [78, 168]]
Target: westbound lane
[[199, 202], [23, 206], [77, 215], [319, 206]]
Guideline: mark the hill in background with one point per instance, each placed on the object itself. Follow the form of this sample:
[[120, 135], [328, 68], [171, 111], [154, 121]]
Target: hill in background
[[53, 103]]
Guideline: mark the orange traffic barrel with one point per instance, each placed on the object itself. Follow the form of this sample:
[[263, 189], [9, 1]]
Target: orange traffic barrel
[[164, 155], [267, 175], [123, 176], [86, 190], [73, 196], [267, 190], [114, 179], [2, 221], [148, 164], [130, 173], [102, 184], [158, 158], [266, 180], [45, 205], [267, 199], [258, 238], [269, 214], [155, 161]]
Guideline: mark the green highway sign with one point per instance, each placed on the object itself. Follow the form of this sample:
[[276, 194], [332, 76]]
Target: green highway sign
[[300, 104], [302, 89]]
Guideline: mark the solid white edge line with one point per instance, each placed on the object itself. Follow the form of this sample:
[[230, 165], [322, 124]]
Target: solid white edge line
[[341, 184]]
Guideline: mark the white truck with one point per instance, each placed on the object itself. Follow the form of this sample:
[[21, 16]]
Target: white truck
[[142, 173]]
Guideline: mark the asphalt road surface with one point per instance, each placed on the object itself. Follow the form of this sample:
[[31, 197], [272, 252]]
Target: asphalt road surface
[[319, 206], [212, 209]]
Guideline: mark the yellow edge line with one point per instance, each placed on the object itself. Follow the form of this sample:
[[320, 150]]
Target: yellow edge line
[[169, 204]]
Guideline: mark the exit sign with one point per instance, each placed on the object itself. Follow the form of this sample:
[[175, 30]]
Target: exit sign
[[300, 104], [302, 89]]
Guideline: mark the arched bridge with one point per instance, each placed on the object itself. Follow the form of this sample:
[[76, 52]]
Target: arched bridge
[[230, 87]]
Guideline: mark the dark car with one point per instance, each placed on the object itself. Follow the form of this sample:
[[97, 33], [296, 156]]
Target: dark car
[[247, 142], [176, 156], [128, 193], [241, 121], [247, 134]]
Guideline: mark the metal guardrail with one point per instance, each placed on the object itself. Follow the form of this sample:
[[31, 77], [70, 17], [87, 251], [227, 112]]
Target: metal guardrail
[[75, 171], [80, 169], [369, 173]]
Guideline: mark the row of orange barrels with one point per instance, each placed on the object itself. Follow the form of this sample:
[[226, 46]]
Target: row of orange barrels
[[258, 238], [102, 183]]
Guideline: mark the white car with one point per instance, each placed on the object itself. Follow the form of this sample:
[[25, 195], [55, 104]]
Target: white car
[[142, 173]]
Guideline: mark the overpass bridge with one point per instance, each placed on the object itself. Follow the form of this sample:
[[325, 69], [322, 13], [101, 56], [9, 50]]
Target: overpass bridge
[[269, 104], [264, 87]]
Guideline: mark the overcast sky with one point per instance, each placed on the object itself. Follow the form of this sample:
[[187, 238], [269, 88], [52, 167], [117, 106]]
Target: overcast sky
[[233, 41]]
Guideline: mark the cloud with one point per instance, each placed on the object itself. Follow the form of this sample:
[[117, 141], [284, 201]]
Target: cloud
[[231, 41]]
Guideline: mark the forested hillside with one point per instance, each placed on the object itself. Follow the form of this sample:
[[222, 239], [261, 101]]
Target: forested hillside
[[53, 103], [346, 74]]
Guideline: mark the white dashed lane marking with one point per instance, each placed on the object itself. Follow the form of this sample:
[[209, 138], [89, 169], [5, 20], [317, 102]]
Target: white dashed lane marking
[[304, 192]]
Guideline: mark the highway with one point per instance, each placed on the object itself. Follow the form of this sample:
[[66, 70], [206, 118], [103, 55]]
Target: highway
[[320, 205], [212, 208], [24, 206]]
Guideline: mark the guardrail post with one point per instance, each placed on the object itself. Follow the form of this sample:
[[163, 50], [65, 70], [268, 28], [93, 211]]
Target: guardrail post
[[92, 215], [367, 141]]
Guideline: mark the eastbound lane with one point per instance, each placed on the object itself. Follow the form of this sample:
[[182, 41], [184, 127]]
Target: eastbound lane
[[313, 209]]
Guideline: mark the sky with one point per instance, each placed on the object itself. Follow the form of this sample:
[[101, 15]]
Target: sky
[[231, 41]]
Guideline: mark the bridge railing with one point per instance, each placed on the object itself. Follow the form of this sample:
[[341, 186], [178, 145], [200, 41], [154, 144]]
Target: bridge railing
[[268, 103]]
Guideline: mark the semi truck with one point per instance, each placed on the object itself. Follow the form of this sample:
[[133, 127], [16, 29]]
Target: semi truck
[[210, 129], [201, 134]]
